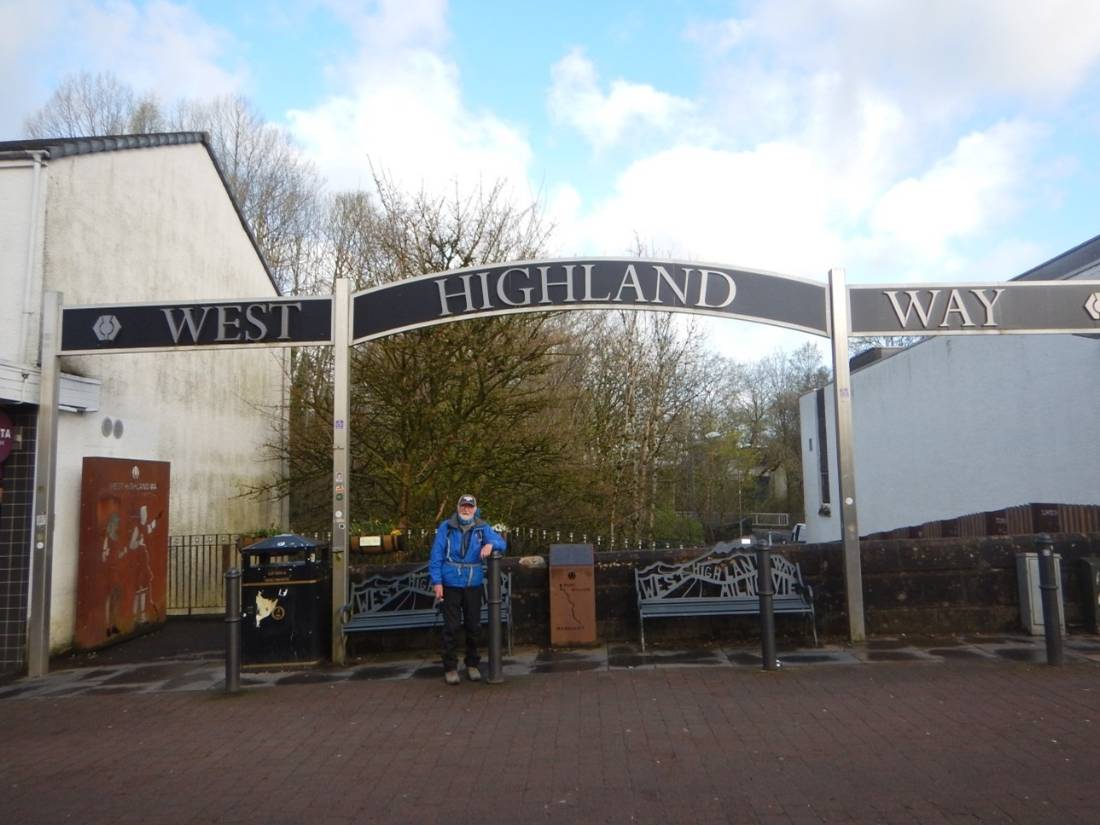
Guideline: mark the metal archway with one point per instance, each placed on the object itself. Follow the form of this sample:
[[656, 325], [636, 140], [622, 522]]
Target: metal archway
[[832, 311]]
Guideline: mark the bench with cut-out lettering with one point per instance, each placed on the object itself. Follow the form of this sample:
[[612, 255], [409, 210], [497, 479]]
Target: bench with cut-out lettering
[[408, 601], [721, 582]]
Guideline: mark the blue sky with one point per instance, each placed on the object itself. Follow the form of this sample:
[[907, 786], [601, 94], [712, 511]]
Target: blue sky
[[906, 141]]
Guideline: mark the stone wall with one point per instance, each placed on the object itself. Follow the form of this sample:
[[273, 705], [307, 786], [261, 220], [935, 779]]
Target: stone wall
[[910, 586]]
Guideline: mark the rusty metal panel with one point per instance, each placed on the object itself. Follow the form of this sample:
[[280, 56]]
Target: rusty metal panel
[[1045, 518], [572, 595], [123, 565], [996, 523]]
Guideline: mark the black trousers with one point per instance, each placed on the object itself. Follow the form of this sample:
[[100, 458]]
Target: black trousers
[[461, 607]]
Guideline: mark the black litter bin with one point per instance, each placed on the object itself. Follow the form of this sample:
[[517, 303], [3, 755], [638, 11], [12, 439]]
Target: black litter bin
[[286, 599]]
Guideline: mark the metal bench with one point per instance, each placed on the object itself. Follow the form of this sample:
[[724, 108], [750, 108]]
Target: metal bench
[[722, 582], [403, 602]]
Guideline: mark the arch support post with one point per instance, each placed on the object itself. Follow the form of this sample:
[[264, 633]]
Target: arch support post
[[842, 396], [341, 497]]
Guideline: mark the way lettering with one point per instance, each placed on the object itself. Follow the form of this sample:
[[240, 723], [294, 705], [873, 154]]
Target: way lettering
[[945, 308]]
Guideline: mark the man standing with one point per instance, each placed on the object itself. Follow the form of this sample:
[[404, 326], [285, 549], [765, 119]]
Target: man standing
[[461, 544]]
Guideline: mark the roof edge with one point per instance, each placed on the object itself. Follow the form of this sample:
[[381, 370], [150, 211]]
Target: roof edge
[[1066, 264], [61, 147]]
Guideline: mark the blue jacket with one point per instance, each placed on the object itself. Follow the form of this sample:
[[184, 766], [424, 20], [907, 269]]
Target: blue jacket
[[456, 557]]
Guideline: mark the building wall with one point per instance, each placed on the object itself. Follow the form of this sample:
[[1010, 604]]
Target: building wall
[[958, 425], [156, 225]]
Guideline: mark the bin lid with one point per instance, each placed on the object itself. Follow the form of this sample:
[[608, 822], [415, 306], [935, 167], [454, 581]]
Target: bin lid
[[571, 555], [284, 543]]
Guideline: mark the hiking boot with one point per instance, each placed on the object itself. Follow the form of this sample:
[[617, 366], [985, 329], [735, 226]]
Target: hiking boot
[[473, 674], [451, 677]]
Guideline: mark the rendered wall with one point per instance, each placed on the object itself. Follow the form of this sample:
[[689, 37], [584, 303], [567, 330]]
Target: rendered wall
[[959, 425], [156, 225]]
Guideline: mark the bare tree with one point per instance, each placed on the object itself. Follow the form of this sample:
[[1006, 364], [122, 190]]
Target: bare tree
[[86, 104], [276, 187], [858, 345]]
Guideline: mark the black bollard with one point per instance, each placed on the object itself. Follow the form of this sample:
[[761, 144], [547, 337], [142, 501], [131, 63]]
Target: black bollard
[[495, 635], [1048, 590], [232, 630], [765, 589]]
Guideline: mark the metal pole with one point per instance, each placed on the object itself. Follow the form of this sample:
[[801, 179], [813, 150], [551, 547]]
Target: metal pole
[[842, 396], [765, 590], [495, 634], [1048, 590], [45, 479], [232, 630], [341, 497]]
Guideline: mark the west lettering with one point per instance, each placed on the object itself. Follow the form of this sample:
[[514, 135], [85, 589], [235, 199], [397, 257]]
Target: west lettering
[[226, 322], [255, 322], [284, 321], [187, 320]]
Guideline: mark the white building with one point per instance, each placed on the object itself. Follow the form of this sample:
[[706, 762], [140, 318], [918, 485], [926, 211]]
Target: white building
[[966, 424], [136, 219]]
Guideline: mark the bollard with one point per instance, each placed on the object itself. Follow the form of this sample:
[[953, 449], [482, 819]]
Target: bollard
[[1048, 590], [495, 635], [232, 630], [765, 589]]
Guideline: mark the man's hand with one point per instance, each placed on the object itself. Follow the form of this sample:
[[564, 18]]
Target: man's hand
[[486, 550], [438, 588]]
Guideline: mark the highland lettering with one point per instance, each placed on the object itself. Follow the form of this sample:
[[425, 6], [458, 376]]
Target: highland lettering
[[572, 283]]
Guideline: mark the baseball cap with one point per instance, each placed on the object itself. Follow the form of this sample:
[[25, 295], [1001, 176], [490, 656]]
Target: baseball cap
[[466, 498]]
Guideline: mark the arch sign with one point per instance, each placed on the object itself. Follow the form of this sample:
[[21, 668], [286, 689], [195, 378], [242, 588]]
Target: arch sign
[[343, 320]]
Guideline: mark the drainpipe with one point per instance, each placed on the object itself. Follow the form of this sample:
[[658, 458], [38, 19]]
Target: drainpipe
[[31, 309]]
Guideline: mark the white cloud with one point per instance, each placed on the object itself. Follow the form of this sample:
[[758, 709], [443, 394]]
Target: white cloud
[[401, 110], [975, 187], [163, 47], [603, 118], [765, 208], [159, 46], [937, 54], [717, 36]]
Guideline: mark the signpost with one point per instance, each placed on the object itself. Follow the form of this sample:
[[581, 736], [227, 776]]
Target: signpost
[[1018, 307], [273, 322], [344, 320], [586, 283]]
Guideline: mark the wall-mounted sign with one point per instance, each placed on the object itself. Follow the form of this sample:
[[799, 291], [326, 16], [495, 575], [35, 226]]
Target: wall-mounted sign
[[538, 286], [276, 322], [7, 437], [937, 309]]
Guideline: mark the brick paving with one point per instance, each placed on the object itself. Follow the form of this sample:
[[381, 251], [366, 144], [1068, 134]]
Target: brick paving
[[928, 740]]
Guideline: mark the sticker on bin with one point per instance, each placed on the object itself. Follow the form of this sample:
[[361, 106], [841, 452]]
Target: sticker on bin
[[370, 541]]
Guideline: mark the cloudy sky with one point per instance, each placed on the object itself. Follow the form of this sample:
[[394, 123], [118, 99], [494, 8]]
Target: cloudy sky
[[903, 140]]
